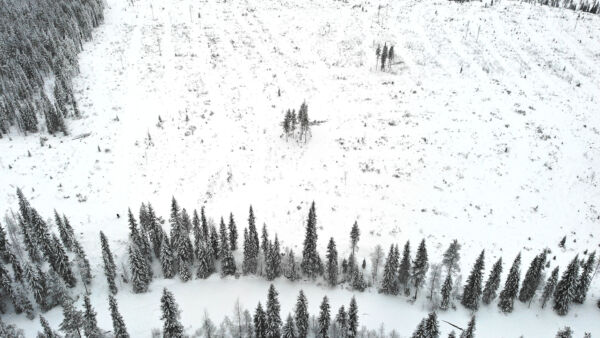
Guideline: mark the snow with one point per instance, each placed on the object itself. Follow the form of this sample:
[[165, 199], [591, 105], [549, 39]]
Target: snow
[[485, 131]]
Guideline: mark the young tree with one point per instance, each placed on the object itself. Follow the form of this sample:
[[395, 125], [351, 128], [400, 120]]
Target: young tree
[[311, 263], [549, 287], [172, 327], [472, 289], [260, 322], [47, 331], [301, 315], [90, 324], [446, 291], [533, 277], [376, 259], [565, 289], [110, 269], [358, 281], [354, 236], [273, 317], [452, 257], [585, 279], [233, 234], [470, 331], [331, 269], [432, 328], [565, 333], [72, 320], [511, 287], [420, 266], [492, 283], [119, 329], [288, 330], [324, 318], [353, 319], [291, 271]]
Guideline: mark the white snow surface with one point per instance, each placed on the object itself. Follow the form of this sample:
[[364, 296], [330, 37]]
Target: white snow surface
[[486, 130]]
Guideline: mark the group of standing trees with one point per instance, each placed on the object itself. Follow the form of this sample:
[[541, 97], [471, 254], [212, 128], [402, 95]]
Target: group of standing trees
[[40, 43], [384, 55], [297, 126]]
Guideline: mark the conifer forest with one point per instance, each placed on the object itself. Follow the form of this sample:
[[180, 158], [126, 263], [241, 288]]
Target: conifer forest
[[294, 169]]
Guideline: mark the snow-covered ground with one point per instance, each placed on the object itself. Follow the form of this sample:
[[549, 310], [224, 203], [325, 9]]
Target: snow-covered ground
[[486, 130]]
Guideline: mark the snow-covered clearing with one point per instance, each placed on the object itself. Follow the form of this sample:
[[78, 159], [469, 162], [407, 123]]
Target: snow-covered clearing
[[486, 130]]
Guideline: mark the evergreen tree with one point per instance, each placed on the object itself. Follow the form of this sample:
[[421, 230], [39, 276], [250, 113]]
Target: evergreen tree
[[341, 320], [564, 333], [251, 247], [511, 287], [110, 269], [214, 242], [265, 242], [472, 289], [197, 232], [72, 320], [186, 222], [420, 331], [172, 328], [204, 224], [354, 236], [291, 271], [405, 266], [331, 269], [353, 319], [446, 291], [274, 261], [301, 315], [260, 322], [493, 282], [324, 318], [4, 246], [432, 328], [37, 284], [205, 263], [549, 287], [358, 281], [156, 231], [585, 279], [60, 262], [90, 324], [47, 331], [311, 263], [62, 231], [119, 329], [223, 237], [82, 262], [228, 267], [452, 334], [452, 257], [389, 284], [167, 259], [272, 315], [470, 331], [288, 330], [566, 287], [420, 266], [139, 276], [233, 234], [533, 277]]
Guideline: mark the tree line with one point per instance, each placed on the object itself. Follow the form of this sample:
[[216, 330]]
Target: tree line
[[40, 43], [45, 265]]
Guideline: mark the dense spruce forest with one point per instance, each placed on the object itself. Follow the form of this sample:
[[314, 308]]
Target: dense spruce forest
[[39, 43]]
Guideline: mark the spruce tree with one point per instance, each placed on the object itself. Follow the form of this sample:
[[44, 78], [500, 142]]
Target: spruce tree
[[264, 246], [60, 262], [341, 320], [119, 329], [549, 287], [288, 330], [205, 263], [155, 231], [137, 263], [291, 270], [331, 270], [452, 257], [82, 262], [446, 292], [4, 246], [585, 279], [324, 318], [214, 242], [273, 317], [62, 231], [405, 266], [565, 333], [167, 258], [420, 266], [37, 284], [470, 331], [353, 319], [233, 234], [533, 277], [566, 287], [389, 284], [223, 238], [301, 315], [420, 330], [90, 324], [72, 320], [511, 287], [493, 283], [110, 269], [354, 236], [172, 328], [472, 289], [432, 328], [311, 262], [260, 322], [197, 232], [228, 267], [358, 281], [47, 330]]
